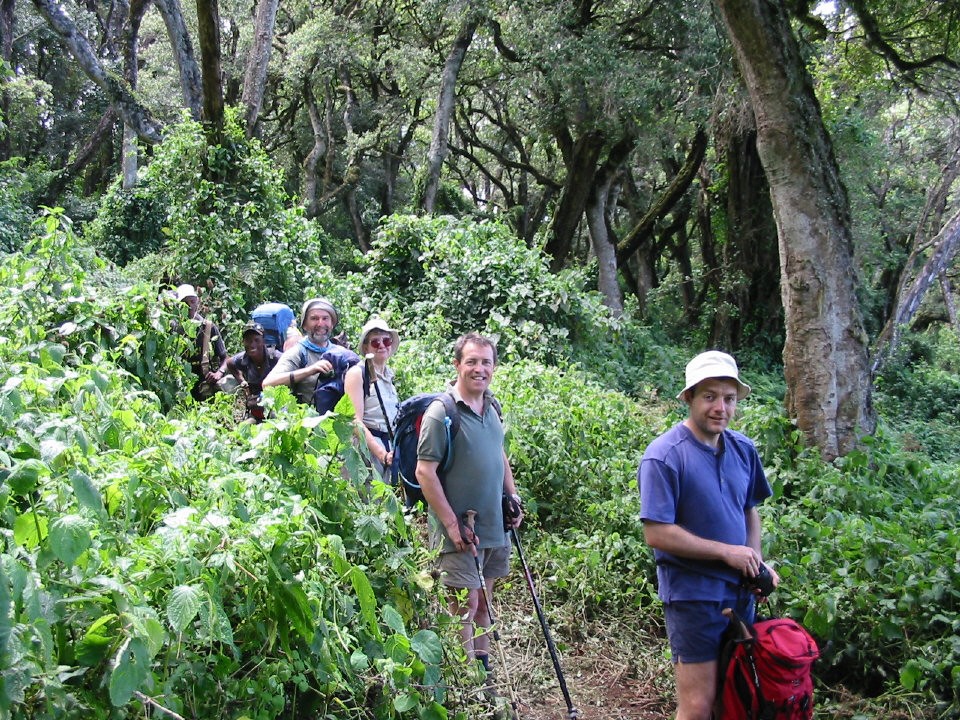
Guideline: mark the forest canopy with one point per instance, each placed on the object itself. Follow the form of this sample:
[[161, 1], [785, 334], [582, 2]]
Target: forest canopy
[[604, 187]]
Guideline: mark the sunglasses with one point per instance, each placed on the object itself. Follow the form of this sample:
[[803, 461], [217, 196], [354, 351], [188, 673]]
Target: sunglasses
[[384, 342]]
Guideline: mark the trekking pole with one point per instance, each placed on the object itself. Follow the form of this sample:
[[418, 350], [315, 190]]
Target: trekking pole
[[469, 518], [572, 712]]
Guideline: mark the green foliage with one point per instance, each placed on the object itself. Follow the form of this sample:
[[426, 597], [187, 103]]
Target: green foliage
[[868, 557], [129, 223], [475, 276], [920, 391], [222, 219], [156, 553], [18, 188], [154, 558]]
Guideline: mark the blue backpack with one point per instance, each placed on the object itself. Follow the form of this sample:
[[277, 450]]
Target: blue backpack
[[406, 436], [275, 319], [329, 389]]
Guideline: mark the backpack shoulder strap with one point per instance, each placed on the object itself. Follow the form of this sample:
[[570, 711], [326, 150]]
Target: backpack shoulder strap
[[451, 423], [366, 380], [497, 406], [205, 347]]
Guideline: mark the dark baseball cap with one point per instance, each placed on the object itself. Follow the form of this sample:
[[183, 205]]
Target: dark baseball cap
[[253, 327]]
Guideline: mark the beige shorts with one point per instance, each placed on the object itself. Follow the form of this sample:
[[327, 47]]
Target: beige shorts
[[459, 570]]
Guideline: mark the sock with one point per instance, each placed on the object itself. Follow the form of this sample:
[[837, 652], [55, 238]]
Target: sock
[[485, 661]]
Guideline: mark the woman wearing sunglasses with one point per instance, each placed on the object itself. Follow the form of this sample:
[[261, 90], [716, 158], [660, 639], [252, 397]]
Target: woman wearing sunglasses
[[370, 387]]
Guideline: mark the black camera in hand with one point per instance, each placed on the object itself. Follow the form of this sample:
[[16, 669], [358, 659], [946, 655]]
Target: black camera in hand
[[762, 582]]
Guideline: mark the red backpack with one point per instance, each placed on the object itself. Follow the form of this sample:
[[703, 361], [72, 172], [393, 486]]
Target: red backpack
[[764, 671]]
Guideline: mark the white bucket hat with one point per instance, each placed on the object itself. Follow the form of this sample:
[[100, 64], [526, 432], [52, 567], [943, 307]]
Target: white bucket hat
[[713, 364], [184, 291], [380, 325]]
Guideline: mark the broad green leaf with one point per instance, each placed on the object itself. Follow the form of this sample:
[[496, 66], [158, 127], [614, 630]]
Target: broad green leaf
[[426, 644], [434, 711], [29, 529], [87, 494], [910, 674], [183, 606], [406, 701], [358, 660], [368, 601], [6, 603], [51, 449], [70, 538], [130, 668], [393, 620], [214, 622], [297, 608], [25, 475]]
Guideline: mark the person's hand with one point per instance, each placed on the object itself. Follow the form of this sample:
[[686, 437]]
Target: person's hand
[[744, 559], [758, 591], [322, 367], [213, 376], [454, 533], [387, 459]]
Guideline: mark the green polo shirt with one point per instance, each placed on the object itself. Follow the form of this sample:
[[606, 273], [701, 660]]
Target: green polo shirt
[[474, 478]]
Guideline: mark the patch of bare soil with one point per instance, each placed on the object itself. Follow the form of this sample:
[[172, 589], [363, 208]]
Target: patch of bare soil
[[611, 671]]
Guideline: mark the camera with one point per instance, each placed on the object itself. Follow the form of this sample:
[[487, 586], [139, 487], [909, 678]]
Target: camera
[[762, 582]]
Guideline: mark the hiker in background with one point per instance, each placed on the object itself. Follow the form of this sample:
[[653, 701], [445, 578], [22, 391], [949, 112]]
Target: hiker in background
[[251, 366], [302, 365], [477, 478], [209, 350], [700, 484], [370, 387]]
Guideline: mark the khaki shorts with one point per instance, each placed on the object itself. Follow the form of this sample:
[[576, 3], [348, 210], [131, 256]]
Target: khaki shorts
[[459, 570]]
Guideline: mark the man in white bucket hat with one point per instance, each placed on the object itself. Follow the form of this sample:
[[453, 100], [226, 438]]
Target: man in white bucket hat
[[700, 485]]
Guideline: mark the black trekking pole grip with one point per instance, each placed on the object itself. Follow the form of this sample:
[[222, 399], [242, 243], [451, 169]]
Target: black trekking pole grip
[[572, 712]]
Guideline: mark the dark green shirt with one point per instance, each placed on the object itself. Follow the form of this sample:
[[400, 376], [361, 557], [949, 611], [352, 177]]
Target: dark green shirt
[[474, 478]]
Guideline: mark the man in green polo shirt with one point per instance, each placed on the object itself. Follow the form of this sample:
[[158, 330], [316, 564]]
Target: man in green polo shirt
[[478, 476]]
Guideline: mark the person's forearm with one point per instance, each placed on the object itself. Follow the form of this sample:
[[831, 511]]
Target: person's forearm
[[509, 486], [753, 529], [682, 543], [283, 378]]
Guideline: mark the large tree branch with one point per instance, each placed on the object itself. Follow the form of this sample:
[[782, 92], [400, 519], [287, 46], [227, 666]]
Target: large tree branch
[[117, 91], [678, 186], [945, 246], [876, 39], [182, 48], [254, 79]]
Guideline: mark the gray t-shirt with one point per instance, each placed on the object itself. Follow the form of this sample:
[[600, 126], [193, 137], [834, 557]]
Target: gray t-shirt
[[474, 478], [296, 358]]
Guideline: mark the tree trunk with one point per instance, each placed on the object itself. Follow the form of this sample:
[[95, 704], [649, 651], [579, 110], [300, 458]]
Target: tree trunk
[[117, 91], [602, 236], [180, 44], [949, 302], [825, 354], [748, 284], [581, 166], [255, 77], [81, 159], [445, 106], [131, 50], [7, 22], [945, 246], [320, 125], [667, 200], [208, 24]]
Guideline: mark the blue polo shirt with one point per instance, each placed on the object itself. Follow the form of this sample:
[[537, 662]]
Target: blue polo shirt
[[706, 491]]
